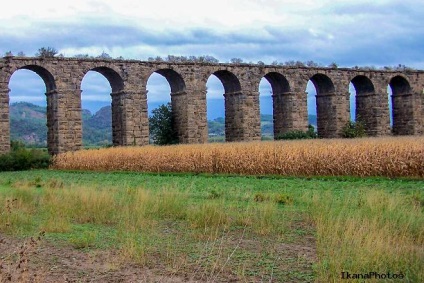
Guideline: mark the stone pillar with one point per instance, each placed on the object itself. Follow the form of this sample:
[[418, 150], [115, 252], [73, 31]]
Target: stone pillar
[[420, 117], [4, 119], [64, 125], [253, 121], [139, 129], [242, 117], [233, 117], [372, 111], [53, 141], [332, 114], [197, 116], [180, 107], [73, 114], [290, 112], [403, 107], [118, 117], [130, 121]]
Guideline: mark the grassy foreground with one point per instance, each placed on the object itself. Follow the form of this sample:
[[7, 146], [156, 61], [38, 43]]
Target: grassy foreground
[[225, 228]]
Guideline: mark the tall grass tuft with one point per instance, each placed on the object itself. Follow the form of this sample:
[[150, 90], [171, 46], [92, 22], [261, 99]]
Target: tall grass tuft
[[368, 230]]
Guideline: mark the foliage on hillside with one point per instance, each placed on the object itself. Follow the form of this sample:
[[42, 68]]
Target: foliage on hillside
[[28, 123], [97, 128]]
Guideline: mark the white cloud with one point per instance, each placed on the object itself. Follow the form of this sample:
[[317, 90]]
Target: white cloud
[[348, 32]]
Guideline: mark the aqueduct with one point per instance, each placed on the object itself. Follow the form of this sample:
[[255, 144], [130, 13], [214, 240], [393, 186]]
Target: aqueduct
[[128, 79]]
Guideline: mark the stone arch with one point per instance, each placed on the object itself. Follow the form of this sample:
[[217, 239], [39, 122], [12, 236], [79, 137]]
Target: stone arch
[[363, 85], [282, 100], [323, 84], [402, 106], [115, 80], [229, 80], [174, 79], [326, 103], [279, 82], [44, 74], [51, 111], [367, 110], [400, 86]]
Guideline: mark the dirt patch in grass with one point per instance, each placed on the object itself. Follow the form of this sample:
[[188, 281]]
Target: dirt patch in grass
[[23, 260]]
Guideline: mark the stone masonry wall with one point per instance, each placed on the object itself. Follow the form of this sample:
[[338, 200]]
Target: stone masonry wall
[[128, 80]]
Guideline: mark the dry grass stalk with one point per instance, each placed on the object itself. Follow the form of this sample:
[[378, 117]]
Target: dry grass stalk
[[388, 156]]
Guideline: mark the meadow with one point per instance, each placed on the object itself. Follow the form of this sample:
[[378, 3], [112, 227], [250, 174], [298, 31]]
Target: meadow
[[105, 226]]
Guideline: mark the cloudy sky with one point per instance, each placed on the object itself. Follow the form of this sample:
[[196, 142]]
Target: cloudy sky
[[348, 32]]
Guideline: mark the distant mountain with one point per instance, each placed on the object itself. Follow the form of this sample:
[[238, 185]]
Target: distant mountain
[[97, 128], [28, 124]]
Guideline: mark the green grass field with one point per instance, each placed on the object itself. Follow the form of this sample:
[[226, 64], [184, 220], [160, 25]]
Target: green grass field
[[221, 228]]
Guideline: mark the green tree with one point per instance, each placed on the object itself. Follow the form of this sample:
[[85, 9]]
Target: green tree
[[354, 130], [161, 126]]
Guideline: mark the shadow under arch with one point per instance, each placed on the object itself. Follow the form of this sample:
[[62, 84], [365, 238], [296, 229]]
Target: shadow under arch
[[44, 74], [115, 80], [175, 80], [366, 111], [323, 84], [325, 106], [233, 105], [402, 106], [399, 86], [281, 103], [51, 102]]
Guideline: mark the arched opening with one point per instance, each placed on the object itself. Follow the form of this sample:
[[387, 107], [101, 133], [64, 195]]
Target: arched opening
[[266, 109], [312, 104], [362, 104], [233, 111], [167, 86], [389, 102], [215, 109], [401, 106], [325, 112], [29, 105], [95, 85], [352, 102], [278, 87], [96, 104]]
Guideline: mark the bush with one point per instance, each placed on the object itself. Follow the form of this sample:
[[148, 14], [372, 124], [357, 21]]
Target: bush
[[20, 158], [46, 52], [297, 134], [354, 130]]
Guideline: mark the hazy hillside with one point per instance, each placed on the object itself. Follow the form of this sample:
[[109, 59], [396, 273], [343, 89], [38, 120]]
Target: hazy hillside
[[28, 124]]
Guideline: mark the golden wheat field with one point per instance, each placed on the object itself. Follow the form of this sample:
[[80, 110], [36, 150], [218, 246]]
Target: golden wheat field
[[388, 156]]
